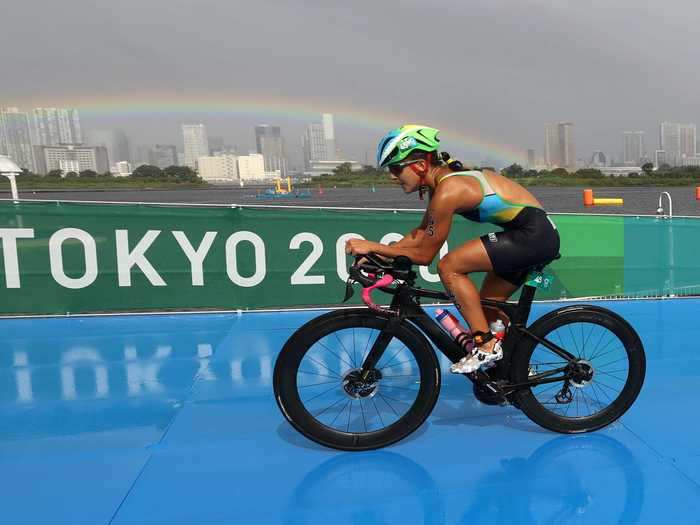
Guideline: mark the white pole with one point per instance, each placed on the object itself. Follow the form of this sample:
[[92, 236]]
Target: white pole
[[13, 186]]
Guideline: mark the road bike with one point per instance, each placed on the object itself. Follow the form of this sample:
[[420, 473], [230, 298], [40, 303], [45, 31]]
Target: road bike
[[364, 378]]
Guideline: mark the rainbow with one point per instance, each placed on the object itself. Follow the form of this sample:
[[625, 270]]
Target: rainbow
[[163, 103]]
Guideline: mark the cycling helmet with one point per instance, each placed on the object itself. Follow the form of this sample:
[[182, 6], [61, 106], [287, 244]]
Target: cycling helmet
[[399, 143]]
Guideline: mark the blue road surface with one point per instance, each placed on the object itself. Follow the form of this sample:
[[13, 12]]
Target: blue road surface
[[171, 419]]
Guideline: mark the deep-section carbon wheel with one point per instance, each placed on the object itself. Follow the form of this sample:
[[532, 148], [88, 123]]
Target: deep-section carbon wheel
[[321, 391], [602, 383]]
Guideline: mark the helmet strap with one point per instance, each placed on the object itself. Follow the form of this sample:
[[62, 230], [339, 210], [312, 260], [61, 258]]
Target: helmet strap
[[423, 186]]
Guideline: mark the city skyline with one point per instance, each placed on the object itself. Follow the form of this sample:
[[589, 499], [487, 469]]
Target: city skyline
[[677, 143]]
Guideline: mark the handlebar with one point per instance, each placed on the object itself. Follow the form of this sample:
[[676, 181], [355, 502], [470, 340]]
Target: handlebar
[[373, 271]]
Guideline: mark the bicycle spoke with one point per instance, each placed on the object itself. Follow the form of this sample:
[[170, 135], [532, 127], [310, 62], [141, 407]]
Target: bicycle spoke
[[397, 353], [375, 408], [313, 373], [328, 407], [324, 392], [398, 364], [600, 340], [317, 384], [612, 376], [354, 357], [363, 415], [338, 414], [387, 404], [611, 362], [324, 366], [336, 355], [598, 356]]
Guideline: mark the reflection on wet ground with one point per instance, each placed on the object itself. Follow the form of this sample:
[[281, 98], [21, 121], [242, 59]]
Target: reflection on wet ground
[[171, 419]]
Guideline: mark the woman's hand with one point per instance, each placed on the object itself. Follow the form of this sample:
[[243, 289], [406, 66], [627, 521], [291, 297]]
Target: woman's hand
[[359, 247]]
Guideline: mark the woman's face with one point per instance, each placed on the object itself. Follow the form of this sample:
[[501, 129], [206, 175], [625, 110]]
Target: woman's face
[[404, 176]]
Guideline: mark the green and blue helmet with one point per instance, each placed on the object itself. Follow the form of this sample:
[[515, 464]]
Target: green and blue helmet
[[399, 143]]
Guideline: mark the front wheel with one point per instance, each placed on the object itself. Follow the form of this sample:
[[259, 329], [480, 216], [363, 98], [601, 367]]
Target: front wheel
[[600, 384], [321, 390]]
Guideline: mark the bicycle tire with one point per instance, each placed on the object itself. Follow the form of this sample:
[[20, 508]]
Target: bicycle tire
[[581, 315], [293, 409]]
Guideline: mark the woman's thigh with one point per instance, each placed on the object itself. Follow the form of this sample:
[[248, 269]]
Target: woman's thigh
[[468, 257]]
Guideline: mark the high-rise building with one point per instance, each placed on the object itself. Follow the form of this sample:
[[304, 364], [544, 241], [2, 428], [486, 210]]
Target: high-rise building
[[16, 138], [56, 126], [688, 138], [670, 142], [314, 145], [319, 141], [71, 158], [251, 167], [559, 146], [329, 136], [114, 140], [163, 156], [223, 168], [270, 144], [678, 141], [195, 142], [531, 162], [598, 160], [632, 148], [660, 158]]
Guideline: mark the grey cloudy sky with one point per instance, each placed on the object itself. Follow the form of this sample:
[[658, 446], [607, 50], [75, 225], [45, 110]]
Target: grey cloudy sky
[[493, 68]]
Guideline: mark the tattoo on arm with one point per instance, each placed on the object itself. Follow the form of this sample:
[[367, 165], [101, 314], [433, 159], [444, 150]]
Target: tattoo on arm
[[430, 229]]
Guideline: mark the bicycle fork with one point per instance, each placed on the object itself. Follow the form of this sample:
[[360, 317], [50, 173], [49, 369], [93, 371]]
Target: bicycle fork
[[380, 344]]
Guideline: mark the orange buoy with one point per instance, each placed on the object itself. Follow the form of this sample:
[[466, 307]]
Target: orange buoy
[[697, 193], [588, 197]]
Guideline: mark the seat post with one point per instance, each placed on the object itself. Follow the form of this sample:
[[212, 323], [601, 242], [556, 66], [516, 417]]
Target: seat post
[[527, 295]]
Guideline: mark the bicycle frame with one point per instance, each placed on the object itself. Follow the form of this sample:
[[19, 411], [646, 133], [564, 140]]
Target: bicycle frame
[[405, 303]]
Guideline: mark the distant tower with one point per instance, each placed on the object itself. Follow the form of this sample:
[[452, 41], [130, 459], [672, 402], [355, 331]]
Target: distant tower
[[531, 159], [559, 145], [195, 142], [633, 147], [329, 136], [269, 143], [598, 160], [15, 138], [678, 141], [314, 145], [56, 126]]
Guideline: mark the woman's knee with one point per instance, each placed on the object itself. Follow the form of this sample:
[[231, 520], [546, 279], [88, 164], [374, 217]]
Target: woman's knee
[[446, 266]]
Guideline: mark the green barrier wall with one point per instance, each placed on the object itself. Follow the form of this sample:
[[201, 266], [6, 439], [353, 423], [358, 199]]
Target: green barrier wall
[[67, 257]]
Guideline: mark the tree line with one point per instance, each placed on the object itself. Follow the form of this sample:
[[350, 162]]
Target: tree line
[[515, 171], [143, 172]]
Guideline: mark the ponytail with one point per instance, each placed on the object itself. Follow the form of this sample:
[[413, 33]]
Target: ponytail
[[453, 164]]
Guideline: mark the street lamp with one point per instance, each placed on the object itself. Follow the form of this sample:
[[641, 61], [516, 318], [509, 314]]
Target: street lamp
[[10, 170]]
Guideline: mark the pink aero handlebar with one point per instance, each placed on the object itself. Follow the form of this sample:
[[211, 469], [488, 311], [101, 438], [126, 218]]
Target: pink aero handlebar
[[366, 292]]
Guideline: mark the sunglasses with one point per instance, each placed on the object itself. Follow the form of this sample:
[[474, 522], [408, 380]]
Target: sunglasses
[[396, 169]]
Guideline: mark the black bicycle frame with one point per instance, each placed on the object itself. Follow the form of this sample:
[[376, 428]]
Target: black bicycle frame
[[406, 304]]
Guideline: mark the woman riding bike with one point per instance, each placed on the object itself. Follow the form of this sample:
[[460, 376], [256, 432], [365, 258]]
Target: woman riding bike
[[529, 237]]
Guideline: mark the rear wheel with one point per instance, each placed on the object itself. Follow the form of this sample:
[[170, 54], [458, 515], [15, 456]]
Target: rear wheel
[[321, 391], [598, 387]]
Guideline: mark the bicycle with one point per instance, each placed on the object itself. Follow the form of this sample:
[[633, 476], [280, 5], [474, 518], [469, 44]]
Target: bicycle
[[342, 392]]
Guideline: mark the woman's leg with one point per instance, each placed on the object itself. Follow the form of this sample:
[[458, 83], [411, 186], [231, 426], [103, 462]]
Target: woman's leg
[[497, 289], [453, 269]]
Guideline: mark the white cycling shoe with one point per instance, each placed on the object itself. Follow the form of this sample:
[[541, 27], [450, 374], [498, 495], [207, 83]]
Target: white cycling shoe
[[477, 360]]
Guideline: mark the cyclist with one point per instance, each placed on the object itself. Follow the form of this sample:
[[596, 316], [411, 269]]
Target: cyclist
[[529, 236]]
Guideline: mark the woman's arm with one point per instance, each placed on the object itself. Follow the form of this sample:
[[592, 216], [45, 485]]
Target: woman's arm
[[415, 236], [422, 247]]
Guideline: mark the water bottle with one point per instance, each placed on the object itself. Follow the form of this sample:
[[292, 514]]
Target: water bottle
[[450, 323], [498, 329]]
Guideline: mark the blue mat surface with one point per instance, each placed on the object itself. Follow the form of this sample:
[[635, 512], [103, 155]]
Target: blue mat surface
[[171, 419]]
